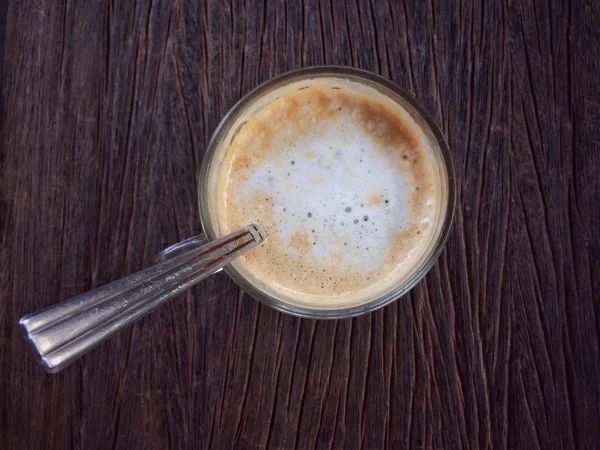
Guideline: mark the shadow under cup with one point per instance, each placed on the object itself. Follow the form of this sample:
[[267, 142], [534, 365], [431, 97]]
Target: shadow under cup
[[208, 186]]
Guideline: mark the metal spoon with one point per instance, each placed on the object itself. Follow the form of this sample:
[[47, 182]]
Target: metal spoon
[[63, 332]]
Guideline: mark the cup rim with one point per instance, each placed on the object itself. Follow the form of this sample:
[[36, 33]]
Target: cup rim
[[429, 259]]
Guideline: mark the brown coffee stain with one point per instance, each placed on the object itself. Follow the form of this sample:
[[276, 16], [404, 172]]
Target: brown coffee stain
[[424, 190], [311, 155], [400, 242], [373, 199], [384, 126], [300, 242], [241, 162], [317, 179]]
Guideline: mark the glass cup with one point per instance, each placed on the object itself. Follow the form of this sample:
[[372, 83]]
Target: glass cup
[[63, 332], [235, 119]]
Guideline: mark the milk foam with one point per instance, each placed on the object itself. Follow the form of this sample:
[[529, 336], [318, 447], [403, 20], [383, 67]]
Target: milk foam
[[335, 187], [345, 186]]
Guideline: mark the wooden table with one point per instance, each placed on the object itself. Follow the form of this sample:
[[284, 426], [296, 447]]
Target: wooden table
[[107, 107]]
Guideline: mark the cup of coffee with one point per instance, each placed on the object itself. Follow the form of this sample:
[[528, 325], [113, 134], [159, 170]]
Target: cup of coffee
[[326, 192], [351, 180]]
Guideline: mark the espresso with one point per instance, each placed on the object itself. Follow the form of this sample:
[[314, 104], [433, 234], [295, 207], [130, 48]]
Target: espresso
[[345, 184]]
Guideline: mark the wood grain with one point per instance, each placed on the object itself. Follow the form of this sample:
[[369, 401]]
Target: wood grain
[[107, 107]]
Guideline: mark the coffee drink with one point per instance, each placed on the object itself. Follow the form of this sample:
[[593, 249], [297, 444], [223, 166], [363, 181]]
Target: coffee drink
[[345, 183]]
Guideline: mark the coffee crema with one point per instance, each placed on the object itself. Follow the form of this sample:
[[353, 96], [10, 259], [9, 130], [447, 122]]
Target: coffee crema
[[345, 184]]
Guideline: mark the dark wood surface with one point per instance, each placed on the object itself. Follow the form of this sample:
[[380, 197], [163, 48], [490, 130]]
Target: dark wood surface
[[107, 107]]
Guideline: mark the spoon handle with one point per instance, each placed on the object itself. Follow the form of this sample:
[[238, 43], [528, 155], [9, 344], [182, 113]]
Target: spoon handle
[[63, 332]]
